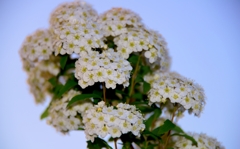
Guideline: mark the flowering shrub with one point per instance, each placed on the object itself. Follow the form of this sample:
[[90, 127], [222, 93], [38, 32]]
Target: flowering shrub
[[108, 75]]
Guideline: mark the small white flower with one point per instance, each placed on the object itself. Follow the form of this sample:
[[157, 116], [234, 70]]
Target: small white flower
[[176, 89], [115, 132], [125, 126], [73, 123], [103, 131]]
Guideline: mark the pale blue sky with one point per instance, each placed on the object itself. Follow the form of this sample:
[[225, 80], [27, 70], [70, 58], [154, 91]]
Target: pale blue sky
[[204, 43]]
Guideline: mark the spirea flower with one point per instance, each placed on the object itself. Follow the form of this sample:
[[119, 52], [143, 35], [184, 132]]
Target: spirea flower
[[74, 28], [37, 46], [38, 76], [116, 21], [141, 39], [102, 120], [65, 118], [177, 89], [108, 67], [204, 142]]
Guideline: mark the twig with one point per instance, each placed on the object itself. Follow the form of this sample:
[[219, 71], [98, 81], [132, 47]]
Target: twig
[[115, 142], [133, 79], [169, 132], [104, 92]]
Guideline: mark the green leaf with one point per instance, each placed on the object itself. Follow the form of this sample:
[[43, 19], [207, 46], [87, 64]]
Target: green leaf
[[111, 139], [145, 70], [81, 97], [148, 133], [194, 142], [121, 92], [63, 61], [98, 144], [144, 108], [81, 128], [133, 59], [69, 85], [153, 118], [69, 65], [111, 44], [44, 114], [139, 78], [53, 81], [149, 145], [56, 90], [126, 145], [137, 96], [168, 125], [100, 93], [146, 87], [178, 129]]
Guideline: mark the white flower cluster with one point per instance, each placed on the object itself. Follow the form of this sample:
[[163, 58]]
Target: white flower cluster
[[38, 77], [37, 46], [74, 28], [116, 21], [137, 40], [177, 89], [204, 142], [102, 120], [108, 67], [65, 119]]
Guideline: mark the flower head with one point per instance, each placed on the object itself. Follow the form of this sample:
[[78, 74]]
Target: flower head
[[93, 67], [65, 118], [37, 46], [176, 89], [204, 142], [112, 121]]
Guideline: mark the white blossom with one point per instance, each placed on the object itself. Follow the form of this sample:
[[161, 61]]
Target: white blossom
[[93, 67], [65, 118], [204, 142], [101, 120], [176, 89]]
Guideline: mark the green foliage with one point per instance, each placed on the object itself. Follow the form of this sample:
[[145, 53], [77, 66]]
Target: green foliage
[[69, 85], [80, 128], [145, 70], [138, 96], [133, 59], [53, 81], [150, 134], [63, 61], [146, 87], [127, 145], [178, 129], [81, 97], [98, 144], [44, 114], [167, 126], [121, 92], [147, 145], [153, 118], [143, 106]]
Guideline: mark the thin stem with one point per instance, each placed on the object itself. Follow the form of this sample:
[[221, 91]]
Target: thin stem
[[131, 146], [169, 132], [104, 92], [133, 79], [115, 142]]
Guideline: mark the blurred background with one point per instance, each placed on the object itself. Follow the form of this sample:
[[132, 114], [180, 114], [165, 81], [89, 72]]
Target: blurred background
[[203, 40]]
